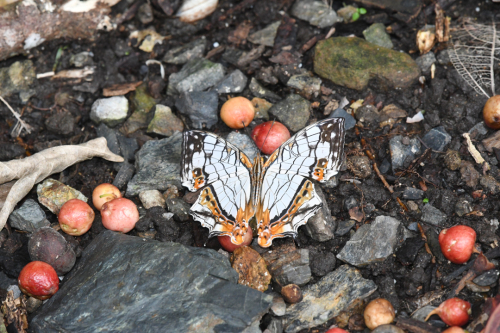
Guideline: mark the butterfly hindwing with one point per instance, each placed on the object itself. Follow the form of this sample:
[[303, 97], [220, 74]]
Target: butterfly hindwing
[[222, 171], [288, 201], [288, 198]]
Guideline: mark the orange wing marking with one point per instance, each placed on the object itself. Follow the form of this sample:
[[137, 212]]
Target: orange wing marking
[[246, 161], [271, 158], [267, 231], [319, 170], [199, 179], [236, 230]]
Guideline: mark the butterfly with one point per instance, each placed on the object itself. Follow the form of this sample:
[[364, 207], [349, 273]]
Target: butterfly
[[277, 191]]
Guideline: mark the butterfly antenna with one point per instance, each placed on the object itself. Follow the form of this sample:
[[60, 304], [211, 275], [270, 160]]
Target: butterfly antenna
[[267, 135]]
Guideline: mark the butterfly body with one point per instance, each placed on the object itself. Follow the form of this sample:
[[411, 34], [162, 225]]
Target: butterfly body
[[276, 191]]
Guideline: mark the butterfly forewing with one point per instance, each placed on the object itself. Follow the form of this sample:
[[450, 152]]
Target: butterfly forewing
[[315, 152], [288, 198], [211, 163]]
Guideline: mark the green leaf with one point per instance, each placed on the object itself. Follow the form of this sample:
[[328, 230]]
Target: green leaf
[[362, 11], [355, 16], [58, 57], [426, 200]]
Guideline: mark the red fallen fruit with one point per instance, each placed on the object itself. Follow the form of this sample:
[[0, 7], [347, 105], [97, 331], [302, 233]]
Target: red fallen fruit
[[453, 312], [457, 243], [491, 112], [225, 241], [336, 330], [104, 193], [39, 280], [269, 136], [237, 112], [76, 217], [119, 215]]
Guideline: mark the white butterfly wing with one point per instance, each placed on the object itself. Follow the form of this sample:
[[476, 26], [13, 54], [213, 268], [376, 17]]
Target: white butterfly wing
[[223, 171], [315, 152], [288, 198]]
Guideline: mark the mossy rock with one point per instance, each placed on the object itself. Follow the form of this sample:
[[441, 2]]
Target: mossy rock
[[352, 62]]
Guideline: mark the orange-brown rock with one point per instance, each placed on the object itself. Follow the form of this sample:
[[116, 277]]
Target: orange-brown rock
[[251, 268], [291, 293]]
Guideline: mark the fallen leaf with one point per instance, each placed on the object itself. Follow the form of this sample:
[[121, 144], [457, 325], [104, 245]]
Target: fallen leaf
[[120, 89], [35, 168]]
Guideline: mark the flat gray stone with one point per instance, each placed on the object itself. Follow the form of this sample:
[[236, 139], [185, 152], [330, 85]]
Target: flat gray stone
[[317, 13], [165, 122], [437, 138], [265, 36], [29, 217], [158, 165], [432, 215], [124, 175], [129, 284], [344, 227], [278, 308], [200, 107], [117, 142], [324, 300], [350, 122], [376, 34], [479, 129], [182, 54], [411, 193], [259, 91], [288, 265], [293, 112], [321, 226], [195, 75], [307, 84], [402, 154], [179, 208], [110, 111], [232, 83], [425, 62], [244, 143], [152, 198], [372, 242]]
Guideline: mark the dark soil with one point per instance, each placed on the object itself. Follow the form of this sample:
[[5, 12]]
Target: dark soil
[[447, 100]]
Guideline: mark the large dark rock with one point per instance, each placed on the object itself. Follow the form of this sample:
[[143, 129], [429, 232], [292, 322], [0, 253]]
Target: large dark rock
[[129, 284]]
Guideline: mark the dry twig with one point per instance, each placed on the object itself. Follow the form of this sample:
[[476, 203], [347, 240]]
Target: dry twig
[[35, 168], [20, 125]]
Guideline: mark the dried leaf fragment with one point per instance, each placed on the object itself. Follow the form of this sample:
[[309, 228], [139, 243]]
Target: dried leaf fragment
[[442, 25], [14, 312], [120, 89], [35, 168], [426, 38]]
